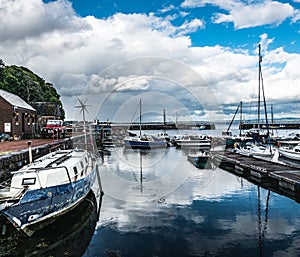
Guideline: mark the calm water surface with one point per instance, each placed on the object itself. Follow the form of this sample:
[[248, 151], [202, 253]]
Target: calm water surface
[[158, 204]]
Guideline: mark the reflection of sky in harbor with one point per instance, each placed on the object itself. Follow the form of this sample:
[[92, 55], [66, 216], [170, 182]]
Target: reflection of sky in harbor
[[184, 211]]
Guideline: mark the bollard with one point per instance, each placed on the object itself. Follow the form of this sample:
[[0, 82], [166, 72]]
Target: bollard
[[29, 151]]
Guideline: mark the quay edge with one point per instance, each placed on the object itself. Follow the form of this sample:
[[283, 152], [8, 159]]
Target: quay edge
[[17, 159]]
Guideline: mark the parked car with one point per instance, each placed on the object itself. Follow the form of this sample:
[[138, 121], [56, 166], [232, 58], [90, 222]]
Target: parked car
[[53, 129]]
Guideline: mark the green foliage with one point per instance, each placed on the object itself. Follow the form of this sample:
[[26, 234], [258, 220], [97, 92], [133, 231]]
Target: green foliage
[[27, 85]]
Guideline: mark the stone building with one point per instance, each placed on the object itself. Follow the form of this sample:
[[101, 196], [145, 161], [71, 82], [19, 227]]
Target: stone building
[[17, 118]]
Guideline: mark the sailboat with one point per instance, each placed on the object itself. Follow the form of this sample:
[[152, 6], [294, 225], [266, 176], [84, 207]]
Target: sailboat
[[257, 149], [231, 139], [144, 141]]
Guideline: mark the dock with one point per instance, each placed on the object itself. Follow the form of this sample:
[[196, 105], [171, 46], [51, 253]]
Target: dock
[[278, 177]]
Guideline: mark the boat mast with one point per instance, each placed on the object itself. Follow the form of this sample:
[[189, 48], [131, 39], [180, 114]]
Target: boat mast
[[259, 80], [140, 117], [233, 118], [241, 117], [264, 98]]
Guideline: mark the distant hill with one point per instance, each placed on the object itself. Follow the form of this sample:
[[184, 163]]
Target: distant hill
[[30, 87]]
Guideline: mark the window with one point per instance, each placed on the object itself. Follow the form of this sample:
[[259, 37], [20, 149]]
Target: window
[[28, 181], [75, 170]]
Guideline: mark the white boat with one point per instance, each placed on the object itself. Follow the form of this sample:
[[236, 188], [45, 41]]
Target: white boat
[[290, 153], [201, 142], [250, 149], [47, 188]]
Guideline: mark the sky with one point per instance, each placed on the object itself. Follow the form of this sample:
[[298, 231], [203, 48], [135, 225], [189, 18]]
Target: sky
[[195, 59]]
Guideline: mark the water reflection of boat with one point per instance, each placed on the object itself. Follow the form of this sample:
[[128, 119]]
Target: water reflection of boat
[[67, 236]]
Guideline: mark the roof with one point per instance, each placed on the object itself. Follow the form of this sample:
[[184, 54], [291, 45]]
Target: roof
[[15, 100]]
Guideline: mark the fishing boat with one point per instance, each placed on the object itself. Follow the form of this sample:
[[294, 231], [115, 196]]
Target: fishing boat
[[290, 153], [52, 185], [47, 188], [202, 142], [144, 141]]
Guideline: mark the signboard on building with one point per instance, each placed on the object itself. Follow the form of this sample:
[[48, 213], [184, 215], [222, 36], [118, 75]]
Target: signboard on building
[[7, 127]]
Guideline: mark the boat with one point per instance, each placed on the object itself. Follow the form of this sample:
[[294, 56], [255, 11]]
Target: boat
[[201, 160], [144, 141], [261, 146], [47, 188], [290, 153], [202, 142], [255, 150]]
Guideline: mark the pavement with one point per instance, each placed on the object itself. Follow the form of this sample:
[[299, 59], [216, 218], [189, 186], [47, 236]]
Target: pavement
[[16, 145]]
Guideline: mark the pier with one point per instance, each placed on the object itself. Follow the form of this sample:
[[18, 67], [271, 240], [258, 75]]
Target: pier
[[277, 125], [164, 125], [278, 177]]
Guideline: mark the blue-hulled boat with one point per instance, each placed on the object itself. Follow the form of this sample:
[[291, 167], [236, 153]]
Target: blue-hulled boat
[[145, 141], [47, 188]]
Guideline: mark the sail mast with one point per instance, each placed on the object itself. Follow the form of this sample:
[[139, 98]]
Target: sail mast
[[241, 117], [259, 79], [140, 117]]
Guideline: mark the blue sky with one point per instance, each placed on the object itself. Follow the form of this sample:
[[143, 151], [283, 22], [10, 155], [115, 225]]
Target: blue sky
[[195, 58]]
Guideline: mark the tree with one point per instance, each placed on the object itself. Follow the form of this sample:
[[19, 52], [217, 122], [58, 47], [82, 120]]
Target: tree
[[29, 86]]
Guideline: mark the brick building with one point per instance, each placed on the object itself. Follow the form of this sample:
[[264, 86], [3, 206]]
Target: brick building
[[17, 118]]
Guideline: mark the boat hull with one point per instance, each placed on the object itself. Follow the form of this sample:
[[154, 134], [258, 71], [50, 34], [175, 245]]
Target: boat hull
[[194, 144], [289, 154], [144, 144], [200, 161]]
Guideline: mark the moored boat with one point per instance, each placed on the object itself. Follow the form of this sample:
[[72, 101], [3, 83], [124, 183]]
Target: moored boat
[[194, 141], [263, 151], [290, 153], [145, 141], [47, 188], [201, 160]]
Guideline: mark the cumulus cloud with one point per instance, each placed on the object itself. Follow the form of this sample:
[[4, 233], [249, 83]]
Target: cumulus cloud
[[247, 15], [127, 53], [25, 19]]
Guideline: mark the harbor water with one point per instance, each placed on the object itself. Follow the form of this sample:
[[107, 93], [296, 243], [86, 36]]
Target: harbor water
[[156, 203]]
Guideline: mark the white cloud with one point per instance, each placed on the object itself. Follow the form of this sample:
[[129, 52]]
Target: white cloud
[[191, 26], [88, 54], [260, 14], [26, 19], [247, 15]]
